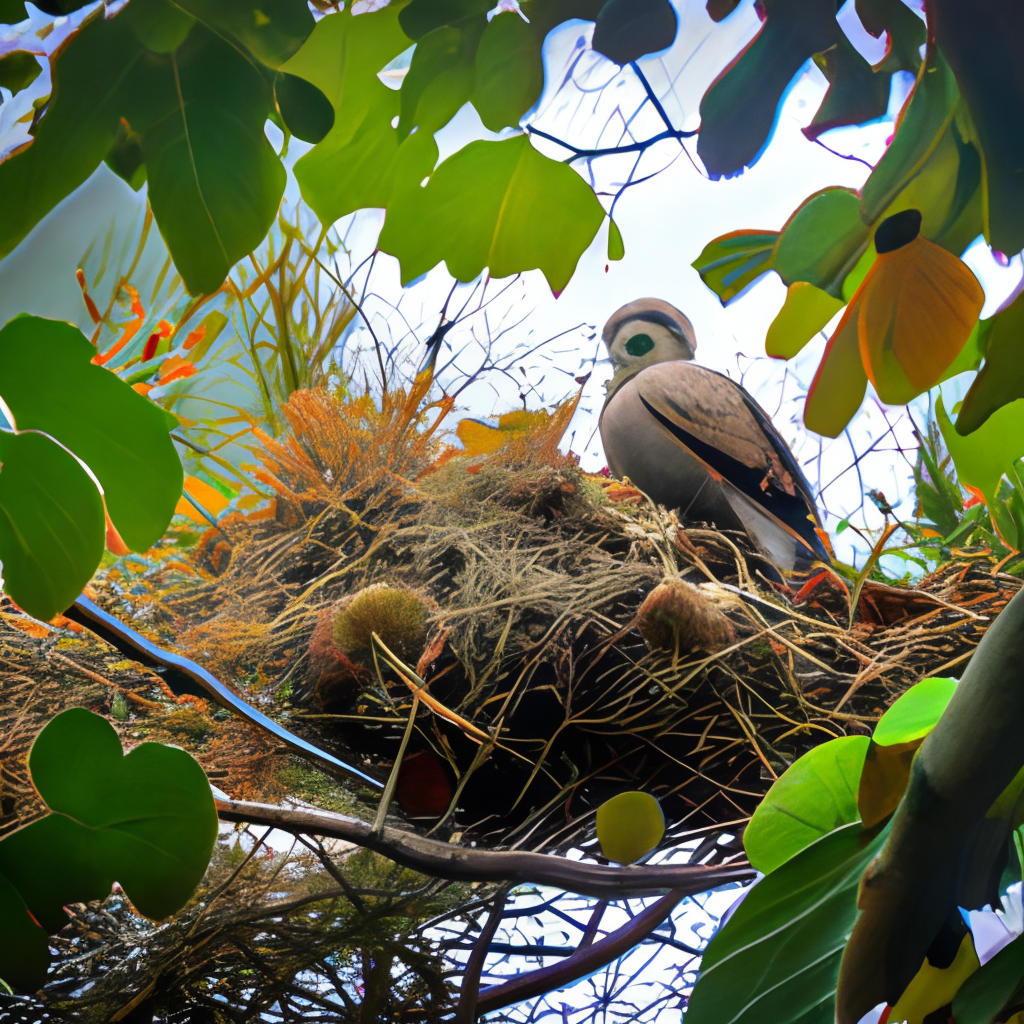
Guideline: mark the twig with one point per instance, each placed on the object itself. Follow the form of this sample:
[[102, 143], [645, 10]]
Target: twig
[[583, 962], [469, 991], [448, 860]]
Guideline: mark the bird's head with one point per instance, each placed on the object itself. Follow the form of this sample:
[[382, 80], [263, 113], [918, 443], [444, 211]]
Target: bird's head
[[648, 331]]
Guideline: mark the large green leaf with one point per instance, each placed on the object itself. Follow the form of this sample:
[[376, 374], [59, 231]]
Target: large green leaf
[[146, 820], [121, 436], [983, 456], [856, 93], [215, 181], [925, 120], [626, 30], [729, 263], [190, 89], [739, 110], [822, 240], [440, 77], [777, 958], [948, 838], [51, 524], [814, 796], [989, 991], [1001, 379], [984, 44], [509, 71], [362, 160], [528, 212], [270, 31]]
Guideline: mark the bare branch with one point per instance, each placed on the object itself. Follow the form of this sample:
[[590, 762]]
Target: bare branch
[[448, 860]]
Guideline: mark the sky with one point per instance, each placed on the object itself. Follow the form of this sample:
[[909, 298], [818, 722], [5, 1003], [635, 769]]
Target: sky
[[665, 222]]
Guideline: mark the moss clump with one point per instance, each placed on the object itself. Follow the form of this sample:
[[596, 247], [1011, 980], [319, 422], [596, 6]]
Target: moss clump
[[189, 722], [398, 615], [676, 614], [320, 790]]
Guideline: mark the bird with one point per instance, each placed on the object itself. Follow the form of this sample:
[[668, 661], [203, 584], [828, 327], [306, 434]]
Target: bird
[[696, 441]]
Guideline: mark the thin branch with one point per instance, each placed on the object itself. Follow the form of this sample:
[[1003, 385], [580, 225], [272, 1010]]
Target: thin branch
[[632, 147], [467, 1012], [585, 961], [448, 860]]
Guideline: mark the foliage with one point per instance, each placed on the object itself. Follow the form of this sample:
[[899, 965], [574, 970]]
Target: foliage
[[67, 433], [943, 775], [145, 820]]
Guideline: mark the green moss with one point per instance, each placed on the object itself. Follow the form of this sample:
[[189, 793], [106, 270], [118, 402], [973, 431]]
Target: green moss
[[188, 722], [398, 615], [320, 789]]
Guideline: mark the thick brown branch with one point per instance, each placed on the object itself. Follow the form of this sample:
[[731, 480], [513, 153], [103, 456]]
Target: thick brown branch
[[448, 860]]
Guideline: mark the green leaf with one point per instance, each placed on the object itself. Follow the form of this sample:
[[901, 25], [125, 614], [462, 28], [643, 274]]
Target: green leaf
[[26, 948], [195, 100], [777, 957], [915, 713], [422, 16], [896, 739], [626, 30], [145, 819], [629, 826], [822, 240], [814, 796], [121, 436], [927, 117], [616, 247], [985, 49], [440, 78], [12, 11], [270, 31], [528, 212], [51, 524], [362, 160], [739, 110], [806, 311], [78, 129], [945, 850], [983, 456], [1001, 380], [215, 181], [989, 991], [18, 70], [729, 263], [905, 33], [856, 93], [304, 109], [509, 71]]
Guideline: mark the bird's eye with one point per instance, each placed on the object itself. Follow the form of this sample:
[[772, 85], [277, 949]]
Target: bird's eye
[[639, 344]]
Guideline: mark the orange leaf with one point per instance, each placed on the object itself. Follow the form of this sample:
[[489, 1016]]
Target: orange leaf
[[94, 313]]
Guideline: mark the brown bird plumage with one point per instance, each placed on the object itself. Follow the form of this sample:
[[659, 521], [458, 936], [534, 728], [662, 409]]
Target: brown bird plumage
[[694, 440]]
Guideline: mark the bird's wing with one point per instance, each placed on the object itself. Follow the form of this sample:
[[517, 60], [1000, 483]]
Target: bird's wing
[[719, 423]]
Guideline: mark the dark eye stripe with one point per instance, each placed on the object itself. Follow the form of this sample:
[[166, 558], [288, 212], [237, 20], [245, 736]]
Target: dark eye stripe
[[639, 344]]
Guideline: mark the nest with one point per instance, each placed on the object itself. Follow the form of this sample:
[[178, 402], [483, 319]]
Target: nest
[[570, 640], [580, 640]]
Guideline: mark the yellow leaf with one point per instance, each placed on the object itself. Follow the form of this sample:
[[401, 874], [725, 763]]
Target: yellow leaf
[[839, 385], [806, 311]]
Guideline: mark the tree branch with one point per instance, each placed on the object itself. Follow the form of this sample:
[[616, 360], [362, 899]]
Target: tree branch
[[448, 860], [584, 961]]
